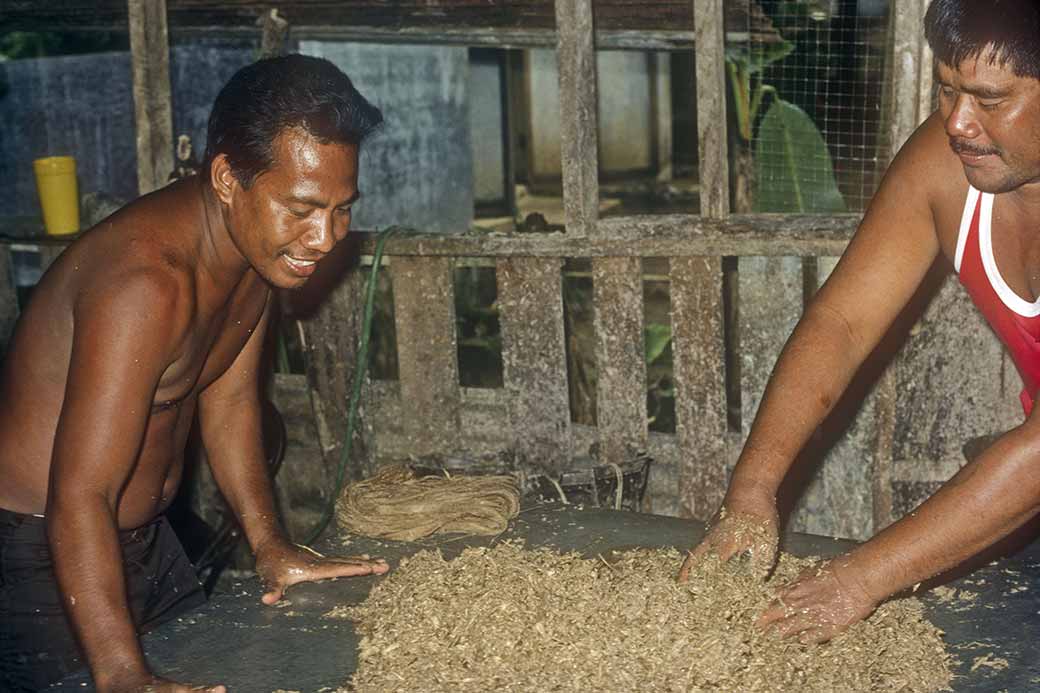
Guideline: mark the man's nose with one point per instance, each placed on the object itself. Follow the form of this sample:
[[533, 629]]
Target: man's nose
[[322, 236], [961, 122]]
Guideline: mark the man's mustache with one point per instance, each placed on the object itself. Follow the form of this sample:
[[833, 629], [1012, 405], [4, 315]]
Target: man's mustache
[[961, 147]]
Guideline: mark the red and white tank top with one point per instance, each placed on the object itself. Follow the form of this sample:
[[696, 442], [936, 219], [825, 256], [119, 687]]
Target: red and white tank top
[[1015, 320]]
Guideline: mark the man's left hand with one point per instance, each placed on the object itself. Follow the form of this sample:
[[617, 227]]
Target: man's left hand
[[821, 603], [282, 564]]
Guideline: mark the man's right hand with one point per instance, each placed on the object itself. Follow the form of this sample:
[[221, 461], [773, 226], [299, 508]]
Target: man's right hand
[[748, 530]]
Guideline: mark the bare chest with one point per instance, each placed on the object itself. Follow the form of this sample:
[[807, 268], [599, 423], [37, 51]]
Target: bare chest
[[217, 337]]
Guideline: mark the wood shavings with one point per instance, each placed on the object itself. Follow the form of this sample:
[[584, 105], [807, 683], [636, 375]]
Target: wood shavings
[[397, 504], [509, 619], [988, 660]]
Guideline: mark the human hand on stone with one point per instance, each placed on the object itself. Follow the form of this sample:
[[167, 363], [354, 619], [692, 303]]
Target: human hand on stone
[[282, 564], [752, 532], [820, 604]]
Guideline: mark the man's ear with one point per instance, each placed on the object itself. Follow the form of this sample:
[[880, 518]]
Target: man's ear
[[222, 179]]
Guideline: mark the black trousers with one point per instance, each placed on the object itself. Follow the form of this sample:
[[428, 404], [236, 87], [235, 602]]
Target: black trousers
[[37, 646]]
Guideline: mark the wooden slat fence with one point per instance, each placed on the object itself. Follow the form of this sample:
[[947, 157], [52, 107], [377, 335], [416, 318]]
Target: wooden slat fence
[[892, 444]]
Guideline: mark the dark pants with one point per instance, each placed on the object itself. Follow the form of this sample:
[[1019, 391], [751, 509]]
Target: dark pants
[[37, 646]]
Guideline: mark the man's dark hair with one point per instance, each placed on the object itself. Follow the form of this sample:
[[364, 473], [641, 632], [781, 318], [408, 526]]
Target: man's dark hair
[[961, 29], [263, 99]]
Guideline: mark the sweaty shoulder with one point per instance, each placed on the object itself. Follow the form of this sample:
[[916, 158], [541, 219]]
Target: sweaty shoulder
[[148, 303], [927, 172], [137, 281]]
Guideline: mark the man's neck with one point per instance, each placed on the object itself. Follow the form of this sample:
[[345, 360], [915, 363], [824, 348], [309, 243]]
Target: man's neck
[[1026, 198], [219, 257]]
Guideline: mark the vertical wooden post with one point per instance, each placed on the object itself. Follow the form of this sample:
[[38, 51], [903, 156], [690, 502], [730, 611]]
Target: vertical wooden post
[[925, 82], [620, 357], [709, 47], [662, 101], [8, 297], [576, 58], [150, 62], [911, 71], [274, 32], [700, 404], [534, 359], [911, 103], [331, 342], [424, 310]]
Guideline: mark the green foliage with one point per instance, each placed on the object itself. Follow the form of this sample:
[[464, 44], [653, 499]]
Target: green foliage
[[793, 169], [657, 337], [15, 45], [792, 165]]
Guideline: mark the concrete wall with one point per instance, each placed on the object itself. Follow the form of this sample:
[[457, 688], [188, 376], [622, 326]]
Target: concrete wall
[[625, 81], [418, 170], [486, 121], [83, 106]]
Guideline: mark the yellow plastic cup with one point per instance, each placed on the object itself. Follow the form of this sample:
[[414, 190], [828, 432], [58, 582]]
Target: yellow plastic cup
[[59, 193]]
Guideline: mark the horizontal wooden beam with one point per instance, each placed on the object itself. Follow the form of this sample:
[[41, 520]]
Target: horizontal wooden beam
[[650, 236], [417, 15], [676, 235]]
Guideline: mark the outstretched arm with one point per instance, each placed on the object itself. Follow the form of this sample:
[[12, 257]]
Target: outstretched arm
[[888, 257], [985, 501], [122, 340], [229, 414]]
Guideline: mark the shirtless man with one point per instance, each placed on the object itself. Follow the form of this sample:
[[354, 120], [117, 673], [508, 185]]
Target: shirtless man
[[984, 137], [159, 311]]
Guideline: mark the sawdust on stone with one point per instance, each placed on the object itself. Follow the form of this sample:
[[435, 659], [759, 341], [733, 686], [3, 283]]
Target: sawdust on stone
[[510, 619]]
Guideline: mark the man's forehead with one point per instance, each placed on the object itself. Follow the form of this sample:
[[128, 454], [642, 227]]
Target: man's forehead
[[984, 71]]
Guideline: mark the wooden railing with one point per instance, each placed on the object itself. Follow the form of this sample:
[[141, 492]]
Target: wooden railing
[[904, 439]]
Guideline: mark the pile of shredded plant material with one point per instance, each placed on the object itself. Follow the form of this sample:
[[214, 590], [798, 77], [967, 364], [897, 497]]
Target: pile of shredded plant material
[[396, 503], [509, 619]]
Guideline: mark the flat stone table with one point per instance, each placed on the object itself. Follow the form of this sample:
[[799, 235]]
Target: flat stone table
[[252, 648]]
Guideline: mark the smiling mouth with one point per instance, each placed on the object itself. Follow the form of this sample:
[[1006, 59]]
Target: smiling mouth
[[300, 264]]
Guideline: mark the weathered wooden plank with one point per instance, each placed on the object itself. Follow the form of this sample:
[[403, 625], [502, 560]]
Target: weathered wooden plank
[[665, 236], [882, 498], [576, 60], [925, 85], [709, 44], [427, 352], [329, 309], [8, 298], [910, 73], [700, 398], [274, 32], [677, 235], [401, 14], [530, 299], [837, 499], [429, 34], [952, 381], [662, 106], [620, 360], [150, 62]]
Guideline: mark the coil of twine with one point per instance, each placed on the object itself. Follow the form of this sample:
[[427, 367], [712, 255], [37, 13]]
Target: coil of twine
[[397, 504]]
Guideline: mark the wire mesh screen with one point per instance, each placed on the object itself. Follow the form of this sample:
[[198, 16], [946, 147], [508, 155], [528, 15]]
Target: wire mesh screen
[[806, 79]]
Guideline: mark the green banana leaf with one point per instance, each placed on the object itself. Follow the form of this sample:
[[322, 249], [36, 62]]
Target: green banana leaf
[[657, 338], [793, 169]]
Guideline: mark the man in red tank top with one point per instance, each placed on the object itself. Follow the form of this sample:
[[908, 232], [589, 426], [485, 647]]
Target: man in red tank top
[[966, 186]]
